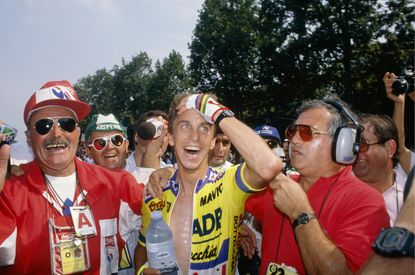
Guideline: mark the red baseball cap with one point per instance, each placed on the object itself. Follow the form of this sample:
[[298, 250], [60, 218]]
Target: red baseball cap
[[56, 93]]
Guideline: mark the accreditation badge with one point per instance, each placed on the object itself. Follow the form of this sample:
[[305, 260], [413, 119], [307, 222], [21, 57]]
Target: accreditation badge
[[83, 221], [276, 269], [73, 257], [69, 254]]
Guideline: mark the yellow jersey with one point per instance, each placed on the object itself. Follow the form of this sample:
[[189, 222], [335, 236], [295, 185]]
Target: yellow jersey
[[218, 208]]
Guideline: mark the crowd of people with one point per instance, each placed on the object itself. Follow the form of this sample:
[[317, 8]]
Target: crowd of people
[[334, 196]]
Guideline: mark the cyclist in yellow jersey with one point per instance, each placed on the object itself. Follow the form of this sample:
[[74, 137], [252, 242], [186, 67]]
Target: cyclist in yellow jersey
[[204, 207]]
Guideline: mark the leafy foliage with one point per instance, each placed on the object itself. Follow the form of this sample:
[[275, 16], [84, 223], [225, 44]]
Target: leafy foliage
[[262, 58], [134, 87]]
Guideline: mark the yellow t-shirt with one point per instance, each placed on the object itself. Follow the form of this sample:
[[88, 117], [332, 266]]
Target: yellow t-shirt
[[218, 207]]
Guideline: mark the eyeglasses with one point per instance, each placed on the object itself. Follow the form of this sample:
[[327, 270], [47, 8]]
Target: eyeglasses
[[44, 125], [364, 146], [100, 143], [306, 132]]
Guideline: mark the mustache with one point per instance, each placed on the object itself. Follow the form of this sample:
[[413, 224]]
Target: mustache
[[56, 141]]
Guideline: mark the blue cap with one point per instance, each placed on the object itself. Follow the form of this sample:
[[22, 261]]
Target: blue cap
[[266, 131]]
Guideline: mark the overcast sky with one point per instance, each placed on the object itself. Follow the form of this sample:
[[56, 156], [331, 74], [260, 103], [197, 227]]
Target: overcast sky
[[43, 40]]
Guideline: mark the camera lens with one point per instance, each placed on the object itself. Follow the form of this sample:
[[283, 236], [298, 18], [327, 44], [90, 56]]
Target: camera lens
[[399, 86]]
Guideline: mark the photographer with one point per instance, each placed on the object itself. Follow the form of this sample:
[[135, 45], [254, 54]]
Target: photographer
[[406, 156]]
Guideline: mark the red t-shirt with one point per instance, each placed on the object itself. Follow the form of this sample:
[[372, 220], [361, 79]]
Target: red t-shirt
[[350, 213]]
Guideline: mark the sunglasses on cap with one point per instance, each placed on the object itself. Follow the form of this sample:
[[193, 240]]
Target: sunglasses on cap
[[44, 125], [306, 132], [100, 143]]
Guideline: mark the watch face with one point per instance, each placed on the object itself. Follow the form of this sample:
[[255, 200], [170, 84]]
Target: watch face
[[392, 239], [303, 218], [394, 242]]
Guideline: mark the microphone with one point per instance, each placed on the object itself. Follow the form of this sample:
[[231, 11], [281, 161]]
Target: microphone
[[150, 129]]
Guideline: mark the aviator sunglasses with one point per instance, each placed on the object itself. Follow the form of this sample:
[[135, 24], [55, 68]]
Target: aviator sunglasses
[[306, 132], [100, 143], [44, 125]]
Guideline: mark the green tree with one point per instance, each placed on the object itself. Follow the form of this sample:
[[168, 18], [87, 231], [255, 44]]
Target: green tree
[[97, 90], [130, 87], [134, 87], [170, 77], [223, 52]]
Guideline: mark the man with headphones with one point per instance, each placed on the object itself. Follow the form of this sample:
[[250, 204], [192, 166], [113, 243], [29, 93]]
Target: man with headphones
[[324, 220]]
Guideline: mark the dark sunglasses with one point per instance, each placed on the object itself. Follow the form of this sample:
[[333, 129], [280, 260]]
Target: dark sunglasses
[[44, 125], [100, 143], [306, 132], [364, 146]]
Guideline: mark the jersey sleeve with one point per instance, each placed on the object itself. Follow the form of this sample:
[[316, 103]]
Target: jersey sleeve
[[145, 218], [238, 172]]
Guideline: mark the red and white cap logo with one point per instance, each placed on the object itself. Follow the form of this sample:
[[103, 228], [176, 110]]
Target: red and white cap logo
[[56, 93]]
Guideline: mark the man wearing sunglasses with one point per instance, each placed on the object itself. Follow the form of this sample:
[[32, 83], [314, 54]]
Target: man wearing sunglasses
[[107, 145], [204, 207], [324, 220], [106, 141], [63, 215], [377, 160]]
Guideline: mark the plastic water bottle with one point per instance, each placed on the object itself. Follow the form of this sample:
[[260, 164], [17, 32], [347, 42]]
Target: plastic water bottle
[[160, 247]]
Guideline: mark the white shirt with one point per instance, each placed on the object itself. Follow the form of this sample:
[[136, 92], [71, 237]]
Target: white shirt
[[394, 196], [141, 174]]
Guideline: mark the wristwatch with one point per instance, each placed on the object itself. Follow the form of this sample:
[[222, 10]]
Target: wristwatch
[[222, 115], [303, 218], [394, 242]]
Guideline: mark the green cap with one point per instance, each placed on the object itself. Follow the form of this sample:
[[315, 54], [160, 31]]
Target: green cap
[[102, 123]]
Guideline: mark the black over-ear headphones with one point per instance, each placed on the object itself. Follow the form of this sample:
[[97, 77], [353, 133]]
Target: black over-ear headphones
[[346, 140]]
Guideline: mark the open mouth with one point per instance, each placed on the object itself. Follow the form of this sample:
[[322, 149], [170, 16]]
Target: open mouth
[[55, 146], [192, 150], [110, 156]]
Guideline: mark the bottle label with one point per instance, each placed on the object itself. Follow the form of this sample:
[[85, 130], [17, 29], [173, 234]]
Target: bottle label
[[161, 256]]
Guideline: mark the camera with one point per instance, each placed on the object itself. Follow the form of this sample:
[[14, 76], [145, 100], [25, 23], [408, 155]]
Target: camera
[[403, 83], [8, 133], [150, 129]]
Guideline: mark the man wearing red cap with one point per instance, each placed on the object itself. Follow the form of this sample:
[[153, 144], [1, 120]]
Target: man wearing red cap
[[64, 208]]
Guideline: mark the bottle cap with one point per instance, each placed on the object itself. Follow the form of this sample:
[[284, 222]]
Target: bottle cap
[[156, 214]]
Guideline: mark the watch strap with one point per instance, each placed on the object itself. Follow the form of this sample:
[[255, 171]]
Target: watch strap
[[303, 218], [225, 113]]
